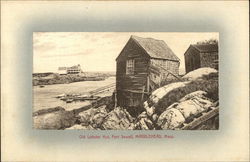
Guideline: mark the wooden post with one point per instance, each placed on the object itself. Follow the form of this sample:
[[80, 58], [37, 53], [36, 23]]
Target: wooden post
[[148, 83], [143, 90], [115, 99]]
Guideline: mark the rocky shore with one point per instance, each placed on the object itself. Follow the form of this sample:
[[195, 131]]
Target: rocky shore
[[63, 79], [171, 107], [54, 78]]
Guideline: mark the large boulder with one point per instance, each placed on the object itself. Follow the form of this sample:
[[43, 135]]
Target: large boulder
[[85, 117], [55, 120], [187, 108], [98, 119], [144, 122], [194, 103], [200, 73], [170, 119], [93, 116], [117, 119], [159, 94], [204, 79]]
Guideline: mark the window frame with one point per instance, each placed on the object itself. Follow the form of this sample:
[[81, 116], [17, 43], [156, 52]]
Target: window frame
[[130, 67]]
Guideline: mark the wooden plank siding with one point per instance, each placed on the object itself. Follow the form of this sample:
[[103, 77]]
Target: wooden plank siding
[[195, 59], [139, 78], [133, 88], [126, 84], [192, 59], [209, 59], [158, 74]]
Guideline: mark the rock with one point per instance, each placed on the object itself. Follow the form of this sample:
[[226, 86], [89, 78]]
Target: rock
[[117, 119], [86, 116], [146, 124], [102, 109], [55, 120], [200, 94], [93, 116], [142, 115], [163, 91], [159, 96], [132, 126], [155, 118], [49, 110], [150, 110], [80, 127], [193, 104], [98, 119], [143, 122], [189, 106], [170, 119], [199, 73]]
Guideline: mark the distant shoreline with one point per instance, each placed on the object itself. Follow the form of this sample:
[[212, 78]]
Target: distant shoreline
[[40, 79]]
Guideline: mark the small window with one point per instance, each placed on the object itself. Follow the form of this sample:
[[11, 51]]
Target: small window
[[130, 66]]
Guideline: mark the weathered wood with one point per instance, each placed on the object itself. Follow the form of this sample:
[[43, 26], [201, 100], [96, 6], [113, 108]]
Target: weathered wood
[[134, 88], [194, 58], [143, 90], [148, 83], [134, 91]]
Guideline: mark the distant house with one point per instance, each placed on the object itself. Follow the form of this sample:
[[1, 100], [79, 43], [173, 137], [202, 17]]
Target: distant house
[[201, 55], [70, 70], [141, 67], [62, 70]]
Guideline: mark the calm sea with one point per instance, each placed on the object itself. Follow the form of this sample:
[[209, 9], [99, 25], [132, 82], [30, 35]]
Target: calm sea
[[45, 97]]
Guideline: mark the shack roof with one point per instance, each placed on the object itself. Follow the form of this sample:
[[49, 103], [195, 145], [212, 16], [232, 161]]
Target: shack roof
[[155, 48], [206, 47]]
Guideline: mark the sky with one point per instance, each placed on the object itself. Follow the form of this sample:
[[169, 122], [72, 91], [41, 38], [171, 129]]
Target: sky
[[97, 51]]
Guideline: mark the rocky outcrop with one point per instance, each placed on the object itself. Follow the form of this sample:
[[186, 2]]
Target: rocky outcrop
[[203, 79], [63, 79], [200, 73], [143, 122], [49, 110], [158, 95], [54, 120], [92, 116], [117, 119], [187, 108]]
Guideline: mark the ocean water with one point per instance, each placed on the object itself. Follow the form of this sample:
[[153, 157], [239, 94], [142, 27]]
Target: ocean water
[[45, 97]]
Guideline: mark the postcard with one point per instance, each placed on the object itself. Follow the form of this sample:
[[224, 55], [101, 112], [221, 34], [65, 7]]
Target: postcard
[[124, 81]]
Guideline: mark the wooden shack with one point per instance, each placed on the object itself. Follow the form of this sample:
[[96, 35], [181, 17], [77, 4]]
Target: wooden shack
[[142, 65], [201, 55]]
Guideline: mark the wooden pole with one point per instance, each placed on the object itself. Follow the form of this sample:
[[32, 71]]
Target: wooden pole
[[115, 98], [143, 89]]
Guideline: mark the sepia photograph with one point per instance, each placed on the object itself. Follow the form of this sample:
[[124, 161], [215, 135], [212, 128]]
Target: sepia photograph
[[129, 81], [125, 80]]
